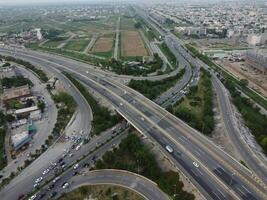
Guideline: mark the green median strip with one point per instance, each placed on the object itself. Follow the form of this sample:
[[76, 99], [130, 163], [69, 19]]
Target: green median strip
[[196, 107], [102, 118], [152, 89]]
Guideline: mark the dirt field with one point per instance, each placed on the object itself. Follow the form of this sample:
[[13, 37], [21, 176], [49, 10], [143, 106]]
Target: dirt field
[[256, 79], [103, 44], [132, 44]]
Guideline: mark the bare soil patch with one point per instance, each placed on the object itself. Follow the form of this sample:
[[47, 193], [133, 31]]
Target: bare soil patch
[[132, 44], [103, 44], [256, 79]]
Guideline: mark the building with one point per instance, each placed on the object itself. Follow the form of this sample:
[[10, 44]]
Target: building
[[257, 60], [16, 93], [19, 123], [257, 39], [7, 72], [19, 140], [32, 129], [25, 111], [35, 115]]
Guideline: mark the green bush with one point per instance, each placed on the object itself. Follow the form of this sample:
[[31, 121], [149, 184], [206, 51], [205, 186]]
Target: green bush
[[254, 120], [15, 81], [152, 89], [133, 156], [241, 85], [204, 121]]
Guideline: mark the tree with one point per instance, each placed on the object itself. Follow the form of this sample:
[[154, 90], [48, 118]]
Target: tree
[[41, 106], [243, 82], [6, 65], [2, 118], [137, 25], [48, 87], [10, 118]]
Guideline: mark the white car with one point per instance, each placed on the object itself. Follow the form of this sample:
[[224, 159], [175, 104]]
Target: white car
[[78, 147], [56, 179], [65, 185], [76, 166], [169, 149], [45, 171], [33, 197], [196, 164], [38, 180], [36, 185]]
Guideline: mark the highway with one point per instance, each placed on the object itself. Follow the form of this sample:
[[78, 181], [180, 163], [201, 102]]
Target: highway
[[251, 158], [190, 78], [218, 176], [84, 164], [143, 186], [254, 161]]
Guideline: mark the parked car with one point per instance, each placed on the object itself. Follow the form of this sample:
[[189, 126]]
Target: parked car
[[52, 194], [76, 166], [38, 180], [65, 185]]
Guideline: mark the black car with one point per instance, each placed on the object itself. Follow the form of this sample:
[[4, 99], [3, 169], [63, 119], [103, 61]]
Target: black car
[[85, 165], [53, 194], [41, 196], [50, 187], [75, 173], [94, 158]]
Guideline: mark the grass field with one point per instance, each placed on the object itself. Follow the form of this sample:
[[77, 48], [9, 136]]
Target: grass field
[[132, 44], [127, 23], [103, 192], [77, 44], [54, 43]]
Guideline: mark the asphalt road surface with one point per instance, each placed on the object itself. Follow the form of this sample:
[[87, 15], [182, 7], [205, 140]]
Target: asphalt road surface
[[218, 176], [146, 188]]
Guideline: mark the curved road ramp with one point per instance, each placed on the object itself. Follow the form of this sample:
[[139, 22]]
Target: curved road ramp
[[140, 184]]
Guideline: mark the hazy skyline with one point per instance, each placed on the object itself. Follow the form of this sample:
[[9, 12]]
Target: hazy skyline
[[19, 2]]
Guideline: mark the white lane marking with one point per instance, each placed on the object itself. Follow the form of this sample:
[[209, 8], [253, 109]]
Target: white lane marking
[[200, 171], [216, 195], [241, 191], [245, 188], [221, 193]]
